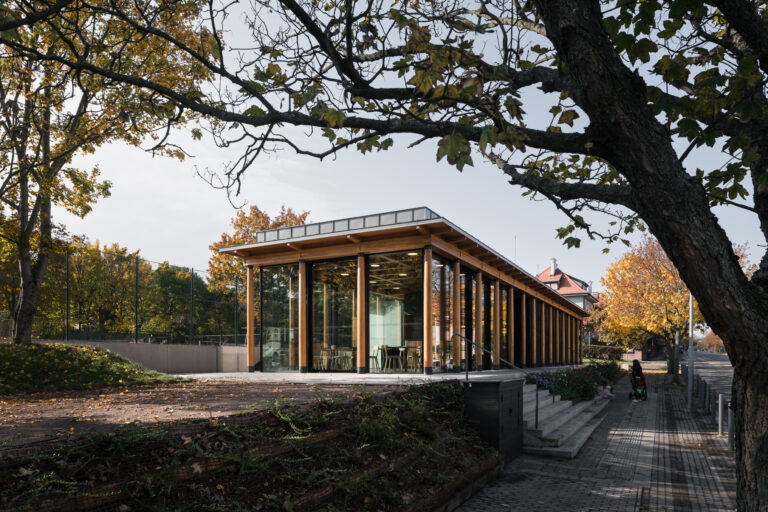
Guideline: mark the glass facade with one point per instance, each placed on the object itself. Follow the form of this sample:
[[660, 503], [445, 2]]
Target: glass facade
[[395, 312], [393, 316], [333, 315], [442, 315], [279, 287]]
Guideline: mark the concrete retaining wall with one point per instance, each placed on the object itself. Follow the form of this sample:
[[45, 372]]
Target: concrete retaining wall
[[169, 358]]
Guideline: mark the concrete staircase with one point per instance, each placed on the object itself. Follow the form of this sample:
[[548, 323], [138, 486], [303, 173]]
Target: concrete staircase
[[563, 426]]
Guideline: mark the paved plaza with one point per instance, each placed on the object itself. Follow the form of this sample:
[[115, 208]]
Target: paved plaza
[[646, 456]]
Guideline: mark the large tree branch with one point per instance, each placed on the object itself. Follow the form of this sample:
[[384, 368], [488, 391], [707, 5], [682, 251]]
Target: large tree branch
[[744, 18], [552, 141], [611, 194], [35, 17]]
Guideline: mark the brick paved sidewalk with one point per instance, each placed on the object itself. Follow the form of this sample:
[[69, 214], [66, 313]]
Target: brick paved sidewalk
[[645, 456]]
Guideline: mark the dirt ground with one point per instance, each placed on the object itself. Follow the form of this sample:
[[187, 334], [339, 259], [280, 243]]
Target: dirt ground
[[39, 416]]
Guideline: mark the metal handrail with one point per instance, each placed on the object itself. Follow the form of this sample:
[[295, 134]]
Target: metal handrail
[[466, 368], [466, 364]]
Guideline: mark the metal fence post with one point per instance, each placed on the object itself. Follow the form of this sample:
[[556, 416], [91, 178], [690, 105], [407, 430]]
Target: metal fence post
[[66, 321], [136, 300], [237, 310], [719, 414]]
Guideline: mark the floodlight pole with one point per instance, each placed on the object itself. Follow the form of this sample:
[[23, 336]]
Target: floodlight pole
[[690, 351]]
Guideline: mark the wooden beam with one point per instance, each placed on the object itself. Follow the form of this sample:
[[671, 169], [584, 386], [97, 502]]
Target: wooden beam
[[354, 238], [423, 230], [362, 316], [250, 327], [495, 362], [345, 249], [303, 331], [456, 318], [478, 318], [294, 246], [428, 316], [525, 284]]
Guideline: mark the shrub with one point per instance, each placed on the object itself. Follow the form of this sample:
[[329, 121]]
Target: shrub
[[580, 383], [603, 352]]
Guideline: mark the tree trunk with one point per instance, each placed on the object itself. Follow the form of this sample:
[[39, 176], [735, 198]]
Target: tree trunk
[[670, 350], [750, 403], [676, 358], [676, 209], [24, 314]]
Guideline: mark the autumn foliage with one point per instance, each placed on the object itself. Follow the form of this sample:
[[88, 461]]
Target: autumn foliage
[[644, 293], [223, 269]]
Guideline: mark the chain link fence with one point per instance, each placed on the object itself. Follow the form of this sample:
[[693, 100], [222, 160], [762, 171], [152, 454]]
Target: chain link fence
[[91, 294]]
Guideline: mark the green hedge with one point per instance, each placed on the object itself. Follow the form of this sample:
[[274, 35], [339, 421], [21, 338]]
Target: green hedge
[[603, 352], [579, 383]]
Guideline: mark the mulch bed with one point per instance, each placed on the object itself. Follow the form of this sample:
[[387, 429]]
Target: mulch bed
[[399, 450]]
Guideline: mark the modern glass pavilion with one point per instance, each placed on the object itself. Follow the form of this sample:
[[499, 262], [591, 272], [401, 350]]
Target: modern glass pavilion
[[397, 292]]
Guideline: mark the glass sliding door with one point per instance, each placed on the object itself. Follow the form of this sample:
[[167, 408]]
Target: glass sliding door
[[395, 312], [333, 315], [442, 315], [279, 309]]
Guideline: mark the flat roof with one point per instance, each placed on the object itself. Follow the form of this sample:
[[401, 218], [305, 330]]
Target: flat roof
[[349, 227]]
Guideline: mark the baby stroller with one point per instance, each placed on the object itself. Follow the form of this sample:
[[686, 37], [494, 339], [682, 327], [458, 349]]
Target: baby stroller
[[638, 388]]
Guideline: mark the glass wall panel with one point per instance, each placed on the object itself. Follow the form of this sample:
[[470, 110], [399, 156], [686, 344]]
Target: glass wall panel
[[487, 319], [333, 315], [395, 312], [279, 318], [442, 315], [467, 311]]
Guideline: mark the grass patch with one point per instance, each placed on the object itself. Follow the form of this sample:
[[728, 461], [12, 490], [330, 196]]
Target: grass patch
[[59, 367]]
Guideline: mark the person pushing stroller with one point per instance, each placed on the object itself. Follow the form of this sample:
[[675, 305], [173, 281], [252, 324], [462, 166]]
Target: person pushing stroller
[[638, 382]]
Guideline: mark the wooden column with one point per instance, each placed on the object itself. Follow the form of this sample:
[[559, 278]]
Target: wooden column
[[303, 332], [250, 325], [456, 318], [562, 337], [555, 336], [495, 362], [428, 318], [510, 341], [535, 334], [571, 344], [551, 337], [543, 340], [558, 336], [362, 316], [524, 329], [580, 352], [478, 318]]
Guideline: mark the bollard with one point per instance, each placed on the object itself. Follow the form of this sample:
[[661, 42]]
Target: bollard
[[720, 414], [730, 426]]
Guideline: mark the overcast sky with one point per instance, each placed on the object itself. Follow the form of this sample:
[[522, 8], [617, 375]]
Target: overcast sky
[[161, 207]]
